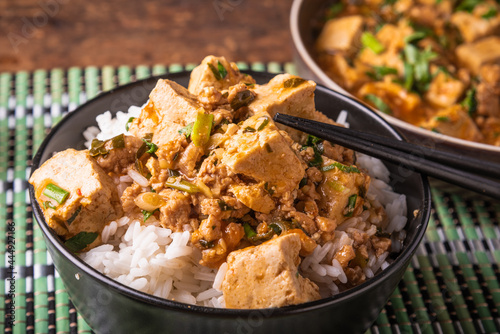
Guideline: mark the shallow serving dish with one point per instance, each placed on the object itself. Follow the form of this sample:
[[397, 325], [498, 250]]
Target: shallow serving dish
[[110, 307], [302, 15]]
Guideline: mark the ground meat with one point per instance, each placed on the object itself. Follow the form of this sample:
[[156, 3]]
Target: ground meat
[[380, 245], [128, 196], [119, 159], [189, 159], [338, 153], [355, 275], [218, 177], [314, 174], [176, 211], [359, 238], [304, 220]]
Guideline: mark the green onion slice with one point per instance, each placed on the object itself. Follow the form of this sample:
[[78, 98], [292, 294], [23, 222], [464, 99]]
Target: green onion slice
[[220, 72], [187, 130], [74, 215], [293, 82], [56, 193], [80, 241], [127, 125], [370, 41], [351, 204], [343, 168], [202, 128], [378, 103], [183, 185], [242, 99], [263, 124], [249, 231]]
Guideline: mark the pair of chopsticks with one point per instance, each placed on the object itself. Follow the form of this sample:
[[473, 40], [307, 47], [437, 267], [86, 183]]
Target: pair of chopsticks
[[470, 173]]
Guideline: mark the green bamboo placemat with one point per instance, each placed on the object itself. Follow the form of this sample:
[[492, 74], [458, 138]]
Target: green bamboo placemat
[[451, 286]]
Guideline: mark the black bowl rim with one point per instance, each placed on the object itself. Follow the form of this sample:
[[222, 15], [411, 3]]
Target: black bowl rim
[[401, 259]]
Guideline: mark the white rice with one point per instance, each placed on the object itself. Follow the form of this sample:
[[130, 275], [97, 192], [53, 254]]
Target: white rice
[[157, 261]]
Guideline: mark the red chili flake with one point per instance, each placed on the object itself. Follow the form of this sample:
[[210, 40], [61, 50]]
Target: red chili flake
[[79, 192]]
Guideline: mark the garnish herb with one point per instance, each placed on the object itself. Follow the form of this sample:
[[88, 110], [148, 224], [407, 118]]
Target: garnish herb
[[74, 215], [206, 244], [187, 130], [470, 102], [370, 41], [224, 206], [303, 182], [147, 214], [269, 189], [202, 128], [130, 120], [220, 72], [350, 205], [80, 241], [343, 168], [183, 185], [242, 99], [293, 82], [56, 193], [263, 124], [249, 129], [467, 5], [118, 141], [249, 231], [48, 204], [97, 148], [442, 118], [378, 103], [334, 10], [317, 145], [379, 72], [491, 13]]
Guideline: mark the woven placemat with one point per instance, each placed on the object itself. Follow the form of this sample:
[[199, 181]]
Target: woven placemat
[[452, 285]]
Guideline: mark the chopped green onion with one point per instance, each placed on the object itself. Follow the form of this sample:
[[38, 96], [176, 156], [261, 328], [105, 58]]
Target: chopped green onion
[[152, 147], [312, 140], [269, 189], [268, 148], [341, 167], [263, 124], [242, 99], [491, 13], [118, 141], [97, 148], [379, 72], [303, 182], [206, 244], [74, 215], [127, 125], [378, 103], [80, 241], [224, 206], [56, 193], [468, 5], [370, 41], [334, 10], [202, 128], [470, 102], [351, 205], [187, 130], [183, 185], [220, 72], [48, 204], [408, 84], [336, 185], [415, 37], [173, 173], [147, 214], [249, 231], [442, 118], [249, 129], [293, 82]]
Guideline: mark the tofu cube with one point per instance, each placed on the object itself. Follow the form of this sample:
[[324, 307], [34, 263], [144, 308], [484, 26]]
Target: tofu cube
[[92, 201], [484, 51], [267, 276], [262, 153]]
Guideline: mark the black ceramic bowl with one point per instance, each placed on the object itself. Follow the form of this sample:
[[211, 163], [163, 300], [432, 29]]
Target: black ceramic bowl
[[304, 33], [110, 307]]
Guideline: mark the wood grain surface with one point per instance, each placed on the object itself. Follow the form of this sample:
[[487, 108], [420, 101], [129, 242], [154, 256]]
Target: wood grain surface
[[63, 33]]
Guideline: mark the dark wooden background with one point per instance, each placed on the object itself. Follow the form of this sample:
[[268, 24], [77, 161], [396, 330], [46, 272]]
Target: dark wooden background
[[63, 33]]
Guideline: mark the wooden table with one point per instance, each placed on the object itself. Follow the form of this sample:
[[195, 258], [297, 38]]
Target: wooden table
[[63, 33]]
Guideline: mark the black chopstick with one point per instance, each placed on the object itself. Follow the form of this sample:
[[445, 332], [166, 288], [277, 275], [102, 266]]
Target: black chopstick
[[438, 164]]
